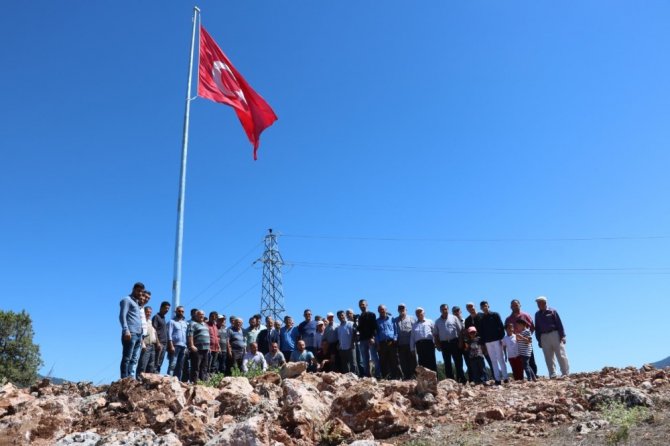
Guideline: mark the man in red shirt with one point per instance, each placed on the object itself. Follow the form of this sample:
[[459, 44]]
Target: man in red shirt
[[214, 347]]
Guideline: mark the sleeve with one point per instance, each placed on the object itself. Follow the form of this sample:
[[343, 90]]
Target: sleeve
[[559, 325], [537, 332], [265, 364], [123, 316]]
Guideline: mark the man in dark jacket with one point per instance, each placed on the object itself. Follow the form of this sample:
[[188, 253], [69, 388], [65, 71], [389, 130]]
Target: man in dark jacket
[[367, 329], [491, 333]]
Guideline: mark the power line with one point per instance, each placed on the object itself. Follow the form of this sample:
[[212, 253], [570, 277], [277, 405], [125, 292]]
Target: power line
[[487, 270], [227, 285], [481, 240]]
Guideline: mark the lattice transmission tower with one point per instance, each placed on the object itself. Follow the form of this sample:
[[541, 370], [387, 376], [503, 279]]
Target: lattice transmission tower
[[272, 294]]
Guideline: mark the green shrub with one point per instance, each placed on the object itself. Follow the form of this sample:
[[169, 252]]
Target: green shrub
[[621, 419]]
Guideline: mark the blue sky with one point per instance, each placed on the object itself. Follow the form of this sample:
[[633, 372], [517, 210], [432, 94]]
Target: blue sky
[[482, 138]]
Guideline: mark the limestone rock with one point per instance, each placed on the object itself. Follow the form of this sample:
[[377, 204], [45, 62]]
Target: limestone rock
[[303, 411], [292, 369], [237, 397], [629, 396], [255, 431], [426, 381], [79, 439]]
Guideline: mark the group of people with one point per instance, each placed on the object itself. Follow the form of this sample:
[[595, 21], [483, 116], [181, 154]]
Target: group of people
[[367, 343]]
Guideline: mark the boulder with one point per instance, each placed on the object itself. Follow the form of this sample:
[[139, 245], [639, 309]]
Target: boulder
[[79, 439], [303, 410], [12, 398], [292, 369], [254, 431], [629, 396], [336, 431], [191, 425], [426, 381], [138, 438], [266, 378], [152, 392]]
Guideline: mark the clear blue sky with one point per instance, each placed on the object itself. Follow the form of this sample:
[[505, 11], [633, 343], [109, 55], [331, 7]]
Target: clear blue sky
[[518, 125]]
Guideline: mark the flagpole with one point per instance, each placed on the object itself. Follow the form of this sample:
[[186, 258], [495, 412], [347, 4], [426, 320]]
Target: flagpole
[[176, 282]]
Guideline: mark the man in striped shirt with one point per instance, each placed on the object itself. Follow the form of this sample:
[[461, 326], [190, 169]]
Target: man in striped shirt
[[198, 344]]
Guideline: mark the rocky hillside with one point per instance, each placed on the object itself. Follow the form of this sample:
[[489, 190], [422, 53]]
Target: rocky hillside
[[305, 409]]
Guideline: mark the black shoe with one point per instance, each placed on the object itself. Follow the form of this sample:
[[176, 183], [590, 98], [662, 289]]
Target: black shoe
[[498, 383]]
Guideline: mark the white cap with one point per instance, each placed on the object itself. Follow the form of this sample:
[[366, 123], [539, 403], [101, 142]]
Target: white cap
[[540, 299], [319, 323], [329, 314], [419, 309]]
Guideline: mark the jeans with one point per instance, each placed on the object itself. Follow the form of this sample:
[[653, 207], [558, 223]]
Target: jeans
[[130, 355], [160, 357], [450, 350], [476, 370], [147, 360], [176, 361], [348, 360], [369, 351], [526, 367], [213, 365]]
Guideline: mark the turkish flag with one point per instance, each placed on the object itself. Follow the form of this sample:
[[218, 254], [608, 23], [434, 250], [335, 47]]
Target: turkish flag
[[221, 82]]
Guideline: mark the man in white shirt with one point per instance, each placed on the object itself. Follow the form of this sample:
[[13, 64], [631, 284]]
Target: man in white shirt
[[253, 359], [421, 340]]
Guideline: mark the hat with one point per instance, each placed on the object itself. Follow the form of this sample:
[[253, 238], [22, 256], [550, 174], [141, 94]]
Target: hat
[[221, 316], [402, 306], [329, 314], [472, 330], [419, 309], [540, 299], [319, 323]]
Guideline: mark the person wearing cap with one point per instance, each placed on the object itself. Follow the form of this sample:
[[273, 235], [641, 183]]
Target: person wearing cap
[[330, 335], [387, 345], [318, 335], [550, 336], [130, 317], [421, 340], [474, 348], [407, 358]]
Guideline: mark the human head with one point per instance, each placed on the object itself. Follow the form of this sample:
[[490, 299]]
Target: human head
[[213, 316], [320, 326], [252, 322], [258, 320], [193, 311], [350, 314], [515, 305], [521, 324], [221, 320], [472, 332], [147, 312], [509, 328], [456, 311], [165, 307], [237, 322], [420, 315], [382, 311], [179, 312], [300, 345], [330, 317], [402, 310], [444, 310], [288, 321], [253, 347], [363, 305], [274, 347], [541, 302], [269, 322], [484, 306], [199, 316], [277, 324], [307, 314], [340, 316], [470, 307], [137, 289]]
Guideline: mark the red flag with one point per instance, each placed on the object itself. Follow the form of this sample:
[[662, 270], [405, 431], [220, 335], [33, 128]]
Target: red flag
[[221, 82]]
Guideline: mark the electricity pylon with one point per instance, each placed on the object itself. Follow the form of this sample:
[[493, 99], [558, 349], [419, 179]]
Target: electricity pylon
[[272, 294]]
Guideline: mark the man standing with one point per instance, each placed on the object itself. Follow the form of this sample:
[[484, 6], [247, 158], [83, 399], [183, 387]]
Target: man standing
[[387, 345], [367, 329], [160, 325], [551, 337], [223, 343], [515, 305], [148, 355], [130, 318], [330, 335], [447, 334], [198, 345], [403, 325], [421, 340], [345, 341], [287, 337], [214, 347], [236, 345], [176, 344], [267, 336], [319, 334], [492, 332], [306, 330]]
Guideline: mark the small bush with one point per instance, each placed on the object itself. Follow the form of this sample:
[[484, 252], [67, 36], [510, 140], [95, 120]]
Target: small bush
[[622, 418], [215, 380]]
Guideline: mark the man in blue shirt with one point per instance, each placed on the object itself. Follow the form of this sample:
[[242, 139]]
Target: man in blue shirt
[[288, 334], [387, 345], [176, 344], [307, 330], [130, 317], [345, 341]]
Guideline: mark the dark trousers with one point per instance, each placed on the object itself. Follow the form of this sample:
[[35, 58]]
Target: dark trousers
[[213, 365], [517, 368], [425, 350], [199, 364], [348, 361], [530, 375], [236, 359], [186, 367], [388, 360], [533, 366], [476, 370], [334, 357], [160, 357], [147, 360], [223, 363], [407, 360], [451, 351]]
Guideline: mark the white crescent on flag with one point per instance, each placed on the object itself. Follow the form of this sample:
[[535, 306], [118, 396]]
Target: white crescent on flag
[[226, 82]]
